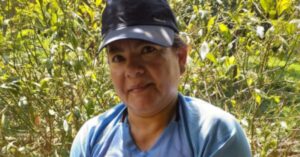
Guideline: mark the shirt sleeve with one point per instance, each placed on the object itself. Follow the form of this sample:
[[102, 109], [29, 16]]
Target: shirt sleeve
[[80, 146], [93, 131], [234, 144], [212, 132]]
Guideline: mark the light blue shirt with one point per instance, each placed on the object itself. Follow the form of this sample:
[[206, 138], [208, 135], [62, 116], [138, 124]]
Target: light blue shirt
[[202, 130]]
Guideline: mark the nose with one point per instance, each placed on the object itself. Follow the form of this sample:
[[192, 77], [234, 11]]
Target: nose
[[134, 67]]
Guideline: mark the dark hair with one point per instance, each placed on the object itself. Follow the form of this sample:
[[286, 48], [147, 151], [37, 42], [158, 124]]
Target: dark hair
[[178, 42]]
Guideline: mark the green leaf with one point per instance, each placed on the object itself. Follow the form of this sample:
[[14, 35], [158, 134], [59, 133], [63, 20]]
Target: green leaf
[[196, 8], [210, 24], [266, 5], [276, 98], [211, 57], [4, 122], [258, 99], [249, 81], [86, 9], [230, 61], [257, 95], [44, 82], [53, 19], [282, 5], [291, 28], [1, 20], [98, 2], [70, 117], [233, 102], [273, 13], [25, 33], [223, 28]]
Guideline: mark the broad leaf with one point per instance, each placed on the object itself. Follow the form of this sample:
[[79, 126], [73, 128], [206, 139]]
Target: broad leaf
[[267, 4], [282, 5]]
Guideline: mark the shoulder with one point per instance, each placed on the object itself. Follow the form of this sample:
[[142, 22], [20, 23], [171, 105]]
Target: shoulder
[[208, 118], [104, 118], [212, 130], [205, 111], [94, 129]]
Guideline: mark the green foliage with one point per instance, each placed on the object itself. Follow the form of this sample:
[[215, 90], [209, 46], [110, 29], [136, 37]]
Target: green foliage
[[244, 58], [275, 7]]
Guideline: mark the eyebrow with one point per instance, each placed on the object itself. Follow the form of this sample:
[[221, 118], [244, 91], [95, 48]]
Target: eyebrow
[[113, 49]]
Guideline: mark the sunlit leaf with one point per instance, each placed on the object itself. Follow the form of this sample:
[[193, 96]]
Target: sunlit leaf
[[70, 117], [22, 149], [291, 28], [244, 122], [23, 101], [211, 57], [233, 102], [204, 49], [25, 33], [249, 81], [223, 28], [220, 2], [66, 126], [276, 99], [53, 18], [296, 21], [210, 24], [86, 8], [98, 2], [229, 61], [4, 122], [267, 4], [231, 44], [258, 99], [195, 8], [283, 125], [260, 31], [282, 5], [257, 95], [51, 112]]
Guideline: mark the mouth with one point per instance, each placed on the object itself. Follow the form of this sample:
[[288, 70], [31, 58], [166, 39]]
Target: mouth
[[139, 88]]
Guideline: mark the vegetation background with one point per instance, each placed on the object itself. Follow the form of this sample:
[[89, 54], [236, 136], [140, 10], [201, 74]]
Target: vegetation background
[[244, 57]]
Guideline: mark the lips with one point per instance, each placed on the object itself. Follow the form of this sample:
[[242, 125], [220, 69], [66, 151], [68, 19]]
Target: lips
[[138, 88]]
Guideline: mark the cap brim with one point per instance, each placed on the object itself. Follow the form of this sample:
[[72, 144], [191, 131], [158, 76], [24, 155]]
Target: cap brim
[[160, 35]]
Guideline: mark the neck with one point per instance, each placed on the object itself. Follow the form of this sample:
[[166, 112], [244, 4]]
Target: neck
[[146, 130]]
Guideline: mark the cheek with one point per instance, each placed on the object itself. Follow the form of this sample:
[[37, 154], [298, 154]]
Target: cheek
[[167, 76], [115, 72], [116, 77]]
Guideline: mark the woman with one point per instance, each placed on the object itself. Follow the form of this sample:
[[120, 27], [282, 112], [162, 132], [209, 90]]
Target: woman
[[146, 58]]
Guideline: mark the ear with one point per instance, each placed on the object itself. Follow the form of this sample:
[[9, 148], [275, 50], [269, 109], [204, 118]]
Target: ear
[[182, 56]]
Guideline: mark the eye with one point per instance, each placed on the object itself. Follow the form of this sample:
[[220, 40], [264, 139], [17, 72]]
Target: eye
[[149, 49], [117, 58]]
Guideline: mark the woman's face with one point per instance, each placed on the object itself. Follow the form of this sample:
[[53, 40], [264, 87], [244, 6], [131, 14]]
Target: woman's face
[[145, 76]]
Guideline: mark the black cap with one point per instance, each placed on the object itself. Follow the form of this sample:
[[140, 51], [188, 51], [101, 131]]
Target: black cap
[[149, 20]]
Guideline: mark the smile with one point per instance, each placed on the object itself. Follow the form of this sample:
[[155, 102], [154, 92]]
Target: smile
[[139, 88]]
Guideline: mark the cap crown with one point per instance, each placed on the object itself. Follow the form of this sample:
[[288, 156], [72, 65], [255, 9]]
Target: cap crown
[[123, 13]]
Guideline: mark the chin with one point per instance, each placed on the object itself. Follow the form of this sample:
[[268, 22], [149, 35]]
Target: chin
[[142, 106]]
